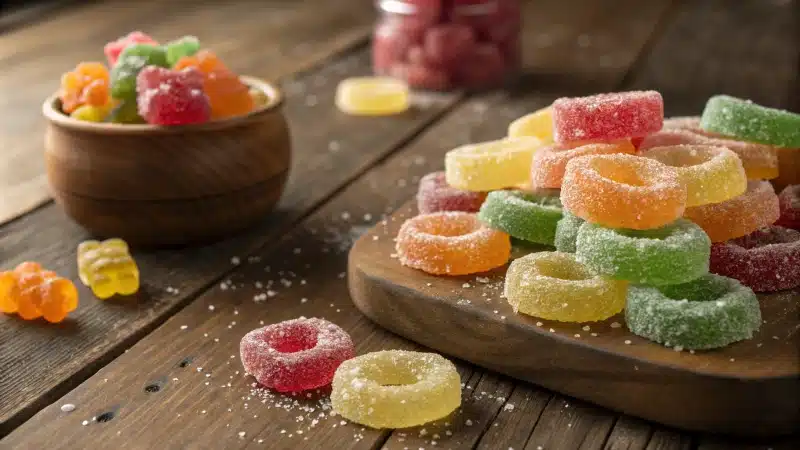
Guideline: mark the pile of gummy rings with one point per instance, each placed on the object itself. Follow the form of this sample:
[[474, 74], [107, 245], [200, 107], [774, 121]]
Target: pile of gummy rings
[[177, 83], [671, 220]]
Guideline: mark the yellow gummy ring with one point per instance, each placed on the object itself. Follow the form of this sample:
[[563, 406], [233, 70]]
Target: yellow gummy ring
[[555, 286], [396, 389], [538, 124], [493, 165], [712, 174], [372, 96]]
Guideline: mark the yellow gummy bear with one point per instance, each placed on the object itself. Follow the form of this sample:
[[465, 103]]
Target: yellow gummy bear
[[107, 268], [372, 96], [493, 165], [537, 124]]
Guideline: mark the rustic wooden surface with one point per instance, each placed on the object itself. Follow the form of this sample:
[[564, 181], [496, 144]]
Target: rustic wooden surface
[[160, 369], [466, 317]]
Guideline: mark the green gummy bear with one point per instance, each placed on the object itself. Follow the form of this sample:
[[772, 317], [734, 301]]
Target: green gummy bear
[[177, 49], [132, 60]]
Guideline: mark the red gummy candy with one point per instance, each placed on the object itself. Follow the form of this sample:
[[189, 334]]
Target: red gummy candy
[[393, 39], [607, 116], [493, 20], [113, 49], [427, 11], [484, 67], [436, 195], [295, 355], [766, 260], [447, 44], [789, 201], [172, 97], [422, 77]]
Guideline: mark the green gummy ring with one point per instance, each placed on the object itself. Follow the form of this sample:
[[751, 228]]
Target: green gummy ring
[[748, 121], [527, 216], [709, 312], [567, 232], [673, 254]]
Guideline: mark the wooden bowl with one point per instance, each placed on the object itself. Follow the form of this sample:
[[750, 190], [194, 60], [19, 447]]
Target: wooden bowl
[[166, 186]]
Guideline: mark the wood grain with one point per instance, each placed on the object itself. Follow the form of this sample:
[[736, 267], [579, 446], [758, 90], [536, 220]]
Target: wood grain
[[372, 195], [269, 39], [330, 148]]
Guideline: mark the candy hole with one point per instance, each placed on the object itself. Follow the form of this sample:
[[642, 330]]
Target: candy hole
[[562, 269], [620, 173], [298, 337], [448, 228], [106, 416]]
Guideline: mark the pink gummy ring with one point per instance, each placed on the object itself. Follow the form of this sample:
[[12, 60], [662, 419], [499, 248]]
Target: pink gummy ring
[[766, 260], [295, 355], [789, 202], [436, 195]]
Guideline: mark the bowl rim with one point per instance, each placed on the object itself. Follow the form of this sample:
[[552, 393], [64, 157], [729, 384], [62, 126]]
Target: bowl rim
[[54, 115]]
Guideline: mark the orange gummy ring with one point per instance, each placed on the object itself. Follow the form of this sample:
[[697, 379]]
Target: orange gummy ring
[[550, 163], [623, 191], [451, 243], [739, 216], [788, 167]]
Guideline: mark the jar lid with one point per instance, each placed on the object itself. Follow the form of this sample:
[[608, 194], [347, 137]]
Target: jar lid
[[404, 7]]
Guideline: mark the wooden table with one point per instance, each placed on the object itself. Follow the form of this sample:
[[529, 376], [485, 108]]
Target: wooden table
[[161, 369]]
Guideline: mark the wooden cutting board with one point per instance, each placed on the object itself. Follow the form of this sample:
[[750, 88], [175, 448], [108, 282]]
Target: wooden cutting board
[[748, 388]]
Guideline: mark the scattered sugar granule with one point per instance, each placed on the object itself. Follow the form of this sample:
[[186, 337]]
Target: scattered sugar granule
[[468, 423], [67, 407], [85, 422], [183, 327], [211, 307], [586, 328], [236, 261], [242, 434], [615, 324], [466, 285], [508, 407], [627, 342]]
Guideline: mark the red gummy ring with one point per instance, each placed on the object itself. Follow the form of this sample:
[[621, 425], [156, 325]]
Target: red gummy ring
[[295, 355], [436, 195], [789, 202], [766, 260]]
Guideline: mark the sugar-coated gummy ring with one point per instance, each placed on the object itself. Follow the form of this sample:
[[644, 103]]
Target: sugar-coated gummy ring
[[739, 216], [372, 96], [550, 163], [493, 165], [567, 232], [396, 389], [555, 286], [766, 260], [789, 202], [295, 355], [451, 243], [788, 167], [709, 312], [675, 253], [711, 174], [523, 215], [623, 191], [538, 124], [607, 117], [435, 195], [749, 121]]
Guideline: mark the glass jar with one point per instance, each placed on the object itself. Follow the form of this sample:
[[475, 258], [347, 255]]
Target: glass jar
[[448, 44]]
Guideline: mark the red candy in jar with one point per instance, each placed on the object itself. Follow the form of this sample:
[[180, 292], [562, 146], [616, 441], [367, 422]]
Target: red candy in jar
[[448, 44]]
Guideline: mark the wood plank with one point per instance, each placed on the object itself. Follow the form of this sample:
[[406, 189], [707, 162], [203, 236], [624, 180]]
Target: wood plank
[[717, 443], [629, 434], [289, 36], [514, 425], [331, 150], [569, 424], [664, 439]]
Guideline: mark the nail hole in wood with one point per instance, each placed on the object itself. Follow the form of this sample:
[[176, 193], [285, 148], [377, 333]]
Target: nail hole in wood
[[185, 362], [106, 416], [152, 388]]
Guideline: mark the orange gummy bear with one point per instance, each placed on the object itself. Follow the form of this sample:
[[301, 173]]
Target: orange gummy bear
[[227, 94], [32, 292], [88, 84]]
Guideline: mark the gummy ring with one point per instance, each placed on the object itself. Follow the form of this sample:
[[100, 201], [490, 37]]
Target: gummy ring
[[789, 202], [555, 286], [550, 163], [749, 121], [739, 216], [451, 243], [760, 161], [711, 174], [788, 167], [673, 254], [765, 260], [709, 312], [567, 232], [372, 96], [295, 355], [435, 195], [605, 117], [538, 124], [396, 389], [623, 191], [524, 215], [492, 165]]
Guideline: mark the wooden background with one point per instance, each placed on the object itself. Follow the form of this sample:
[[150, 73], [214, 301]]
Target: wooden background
[[160, 369]]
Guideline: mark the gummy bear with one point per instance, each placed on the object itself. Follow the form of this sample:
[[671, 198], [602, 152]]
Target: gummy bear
[[107, 268], [177, 49], [86, 84], [133, 59], [228, 95], [113, 49], [172, 97], [32, 292]]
